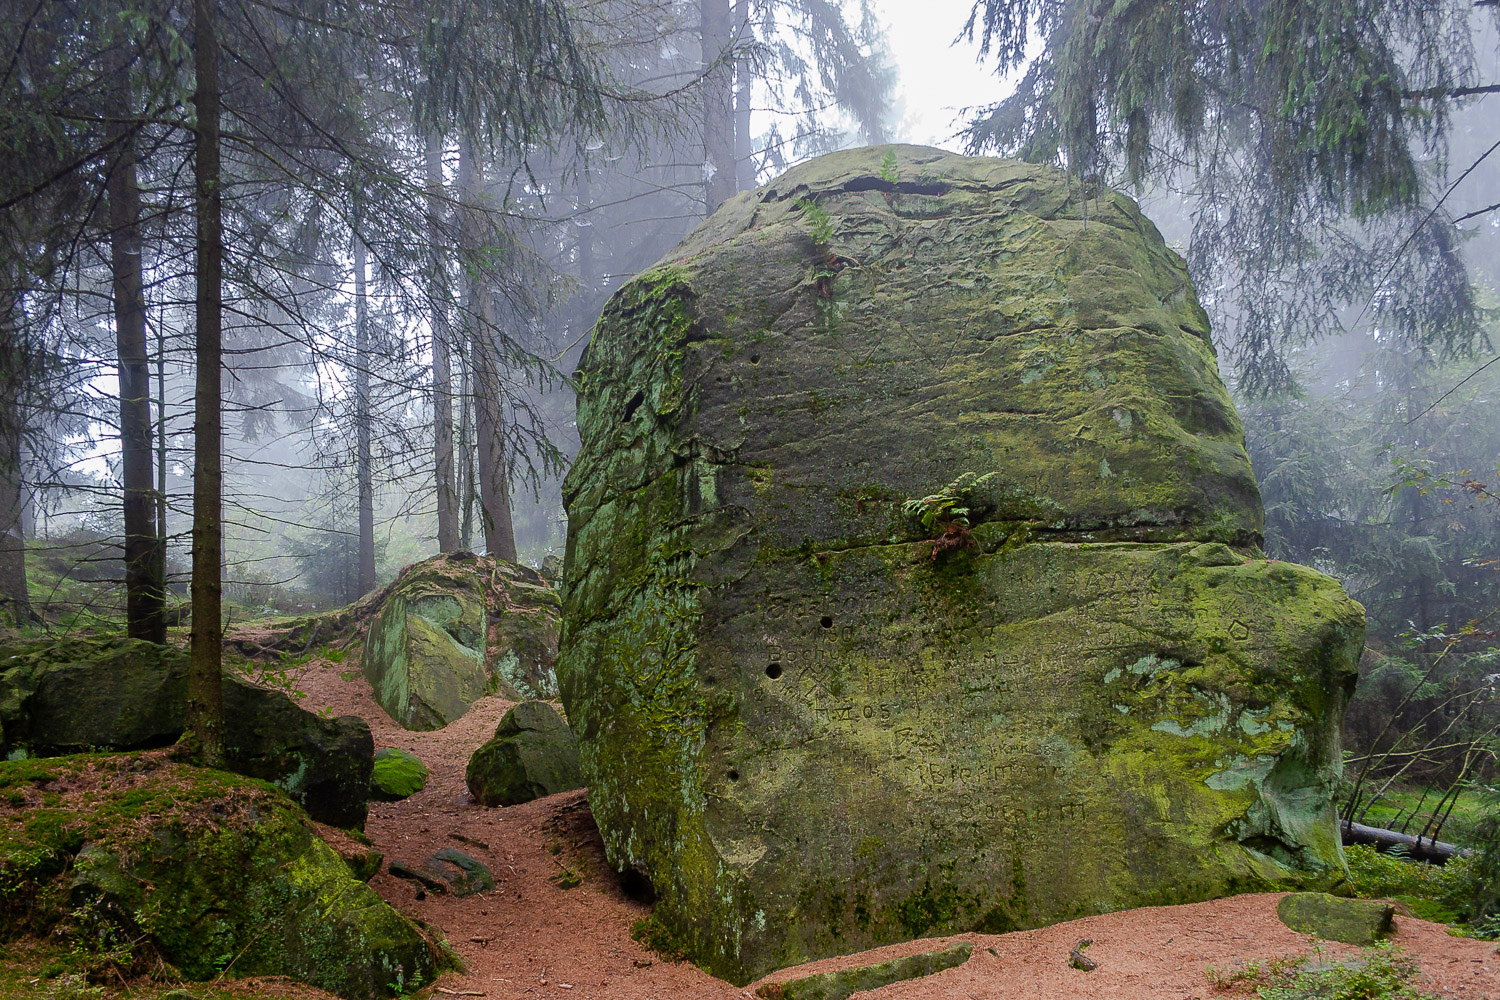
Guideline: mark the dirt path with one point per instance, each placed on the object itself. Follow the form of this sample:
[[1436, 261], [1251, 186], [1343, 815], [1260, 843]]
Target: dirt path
[[531, 938]]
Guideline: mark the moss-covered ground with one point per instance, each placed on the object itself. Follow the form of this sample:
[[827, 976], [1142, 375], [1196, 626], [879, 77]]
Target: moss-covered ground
[[36, 970]]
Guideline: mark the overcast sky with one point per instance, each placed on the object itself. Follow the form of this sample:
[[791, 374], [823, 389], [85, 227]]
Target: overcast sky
[[938, 80]]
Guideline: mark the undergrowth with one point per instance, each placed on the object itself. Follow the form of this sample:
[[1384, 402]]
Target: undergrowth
[[1454, 893], [1380, 972]]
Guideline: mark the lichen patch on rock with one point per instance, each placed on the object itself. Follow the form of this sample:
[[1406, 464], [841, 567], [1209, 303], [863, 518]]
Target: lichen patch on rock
[[913, 580]]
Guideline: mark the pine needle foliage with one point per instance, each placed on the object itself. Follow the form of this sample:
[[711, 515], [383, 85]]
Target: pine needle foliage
[[1304, 136]]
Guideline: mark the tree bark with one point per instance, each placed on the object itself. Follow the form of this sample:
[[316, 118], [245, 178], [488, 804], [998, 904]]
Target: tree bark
[[205, 704], [144, 587], [161, 458], [466, 450], [15, 599], [744, 166], [489, 439], [363, 469], [1420, 848], [442, 362], [489, 407], [718, 103]]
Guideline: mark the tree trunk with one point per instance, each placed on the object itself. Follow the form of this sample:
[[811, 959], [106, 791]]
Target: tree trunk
[[144, 597], [489, 407], [744, 166], [466, 451], [1420, 848], [718, 103], [363, 471], [161, 457], [15, 599], [205, 704], [442, 362], [489, 440]]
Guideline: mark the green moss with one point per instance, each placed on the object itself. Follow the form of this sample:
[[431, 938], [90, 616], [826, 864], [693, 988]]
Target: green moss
[[397, 774], [426, 653], [812, 737], [846, 982], [211, 872]]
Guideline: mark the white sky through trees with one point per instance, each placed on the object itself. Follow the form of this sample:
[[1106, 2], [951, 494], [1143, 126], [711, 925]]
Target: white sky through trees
[[938, 79]]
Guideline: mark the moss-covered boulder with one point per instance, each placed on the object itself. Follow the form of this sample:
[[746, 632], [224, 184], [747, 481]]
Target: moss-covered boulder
[[396, 774], [1353, 921], [211, 872], [532, 754], [124, 694], [458, 627], [913, 582], [843, 983]]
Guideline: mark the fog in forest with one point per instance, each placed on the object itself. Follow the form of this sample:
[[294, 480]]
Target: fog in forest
[[419, 235]]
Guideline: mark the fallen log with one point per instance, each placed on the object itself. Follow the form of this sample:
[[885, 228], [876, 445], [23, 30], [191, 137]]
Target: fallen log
[[1418, 848]]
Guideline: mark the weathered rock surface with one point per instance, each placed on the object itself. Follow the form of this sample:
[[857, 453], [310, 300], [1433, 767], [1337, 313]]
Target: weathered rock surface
[[448, 870], [396, 774], [532, 754], [912, 580], [125, 694], [1352, 921], [458, 627], [212, 871], [846, 982]]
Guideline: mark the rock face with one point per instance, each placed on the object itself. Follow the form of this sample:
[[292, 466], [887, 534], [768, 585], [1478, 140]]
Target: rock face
[[458, 627], [532, 754], [210, 871], [125, 694], [912, 581]]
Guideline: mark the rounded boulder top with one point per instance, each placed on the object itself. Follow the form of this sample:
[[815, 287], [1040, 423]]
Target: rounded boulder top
[[877, 322]]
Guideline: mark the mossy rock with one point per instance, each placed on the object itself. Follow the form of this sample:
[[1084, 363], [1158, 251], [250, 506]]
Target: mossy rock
[[396, 774], [62, 697], [532, 754], [214, 872], [455, 628], [1352, 921], [819, 708], [448, 870], [843, 983]]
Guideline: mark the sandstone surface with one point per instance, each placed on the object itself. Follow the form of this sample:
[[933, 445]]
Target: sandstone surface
[[913, 582]]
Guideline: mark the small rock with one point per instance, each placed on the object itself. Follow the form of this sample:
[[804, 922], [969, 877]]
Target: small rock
[[448, 870], [396, 774], [465, 875], [840, 984], [1351, 921], [419, 875]]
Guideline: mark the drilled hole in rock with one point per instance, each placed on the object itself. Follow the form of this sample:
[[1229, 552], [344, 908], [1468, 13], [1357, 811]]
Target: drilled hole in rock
[[827, 622], [633, 405], [773, 671]]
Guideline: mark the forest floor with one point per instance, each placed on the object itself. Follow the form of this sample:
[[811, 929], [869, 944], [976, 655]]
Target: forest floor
[[531, 938]]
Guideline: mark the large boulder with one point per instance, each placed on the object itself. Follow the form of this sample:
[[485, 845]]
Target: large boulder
[[913, 582], [211, 872], [532, 754], [125, 694], [455, 628]]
